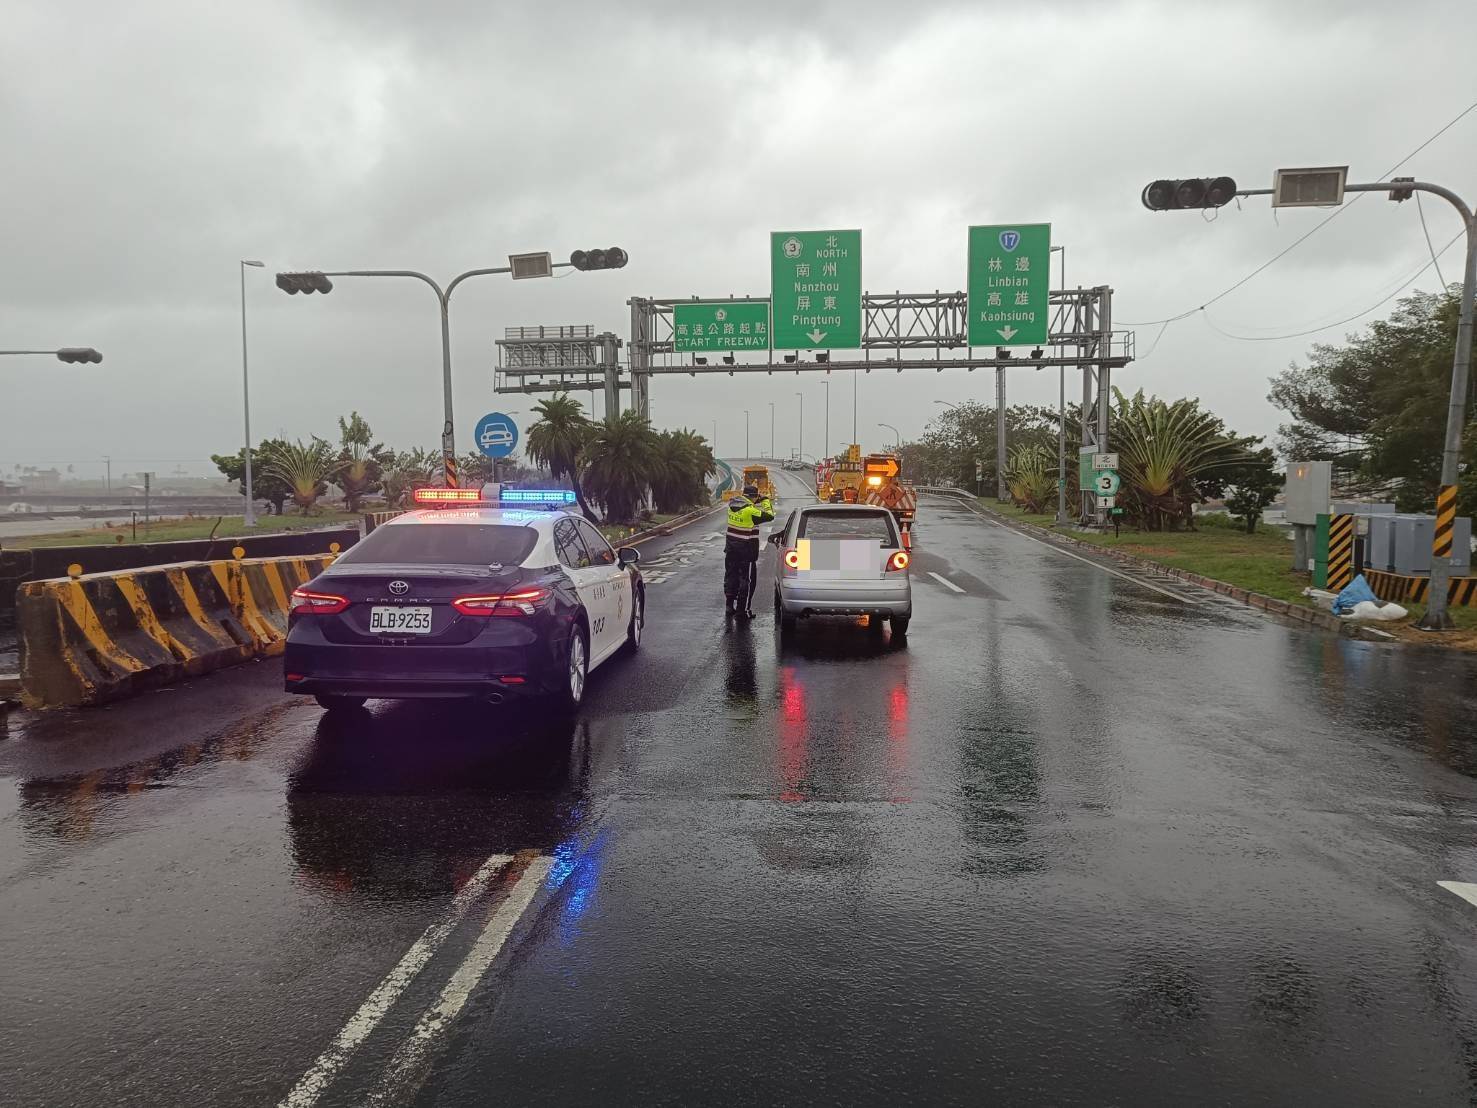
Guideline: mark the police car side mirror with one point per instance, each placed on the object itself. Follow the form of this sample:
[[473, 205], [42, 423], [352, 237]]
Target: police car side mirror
[[628, 555], [776, 538]]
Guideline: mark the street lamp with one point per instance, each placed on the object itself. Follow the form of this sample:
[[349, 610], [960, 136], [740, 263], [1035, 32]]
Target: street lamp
[[800, 444], [70, 354], [897, 439], [771, 429], [746, 433], [520, 266], [248, 518]]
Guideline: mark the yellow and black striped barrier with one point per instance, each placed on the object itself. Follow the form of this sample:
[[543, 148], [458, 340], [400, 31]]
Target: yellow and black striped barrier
[[374, 519], [1340, 551], [1405, 588], [92, 638], [1445, 521]]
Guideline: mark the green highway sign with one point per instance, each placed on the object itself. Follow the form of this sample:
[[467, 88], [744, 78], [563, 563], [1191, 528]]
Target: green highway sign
[[816, 289], [720, 325], [1009, 277]]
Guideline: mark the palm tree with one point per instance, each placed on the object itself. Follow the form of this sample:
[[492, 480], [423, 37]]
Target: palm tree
[[618, 463], [685, 462], [556, 439], [305, 468], [409, 470], [1031, 476], [1164, 450], [359, 463]]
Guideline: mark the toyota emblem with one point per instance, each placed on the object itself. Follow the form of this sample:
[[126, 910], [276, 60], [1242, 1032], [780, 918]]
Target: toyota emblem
[[399, 588]]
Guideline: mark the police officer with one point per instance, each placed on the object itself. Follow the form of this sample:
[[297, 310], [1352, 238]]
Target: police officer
[[741, 550]]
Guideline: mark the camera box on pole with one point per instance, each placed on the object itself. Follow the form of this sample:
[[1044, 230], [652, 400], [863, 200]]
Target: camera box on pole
[[1308, 491]]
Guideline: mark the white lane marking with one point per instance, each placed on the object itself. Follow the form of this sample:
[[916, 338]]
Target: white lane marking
[[362, 1022], [1080, 558], [406, 1065], [1464, 889], [944, 581]]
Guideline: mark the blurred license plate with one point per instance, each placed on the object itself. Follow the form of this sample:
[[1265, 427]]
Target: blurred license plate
[[400, 621]]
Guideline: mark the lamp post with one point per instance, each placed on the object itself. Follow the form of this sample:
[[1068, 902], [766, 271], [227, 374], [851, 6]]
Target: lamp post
[[520, 266], [897, 439], [800, 438], [746, 434], [826, 446], [248, 517], [771, 430], [1061, 417]]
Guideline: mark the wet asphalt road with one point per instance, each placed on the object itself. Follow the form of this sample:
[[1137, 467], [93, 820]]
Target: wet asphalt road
[[1077, 841]]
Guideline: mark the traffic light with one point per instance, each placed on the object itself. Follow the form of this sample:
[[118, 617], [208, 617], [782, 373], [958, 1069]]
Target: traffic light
[[1193, 192], [612, 258], [76, 354], [311, 281]]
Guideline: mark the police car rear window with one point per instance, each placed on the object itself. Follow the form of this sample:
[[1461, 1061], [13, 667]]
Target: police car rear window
[[845, 525], [445, 544]]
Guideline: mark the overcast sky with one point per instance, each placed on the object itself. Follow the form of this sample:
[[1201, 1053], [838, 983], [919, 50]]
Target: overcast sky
[[149, 146]]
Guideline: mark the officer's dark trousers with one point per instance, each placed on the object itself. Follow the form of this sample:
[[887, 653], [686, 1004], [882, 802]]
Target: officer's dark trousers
[[741, 571]]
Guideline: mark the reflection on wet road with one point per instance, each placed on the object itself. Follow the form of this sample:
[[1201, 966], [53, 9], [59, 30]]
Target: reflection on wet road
[[1075, 841]]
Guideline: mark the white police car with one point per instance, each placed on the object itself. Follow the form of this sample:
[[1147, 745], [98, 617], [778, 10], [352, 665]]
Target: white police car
[[466, 598]]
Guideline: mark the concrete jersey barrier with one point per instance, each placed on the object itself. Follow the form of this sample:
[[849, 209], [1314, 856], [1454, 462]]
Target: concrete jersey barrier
[[100, 637]]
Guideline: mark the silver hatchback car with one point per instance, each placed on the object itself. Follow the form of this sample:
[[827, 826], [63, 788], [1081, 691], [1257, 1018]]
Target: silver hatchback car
[[842, 560]]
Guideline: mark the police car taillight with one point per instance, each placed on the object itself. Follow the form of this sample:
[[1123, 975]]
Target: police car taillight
[[524, 602], [316, 603], [448, 496]]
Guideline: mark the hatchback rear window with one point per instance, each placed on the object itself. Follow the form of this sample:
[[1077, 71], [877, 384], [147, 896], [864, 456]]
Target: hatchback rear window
[[445, 544], [846, 525]]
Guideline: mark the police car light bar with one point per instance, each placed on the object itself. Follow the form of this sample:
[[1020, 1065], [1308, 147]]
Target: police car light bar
[[448, 496], [537, 496]]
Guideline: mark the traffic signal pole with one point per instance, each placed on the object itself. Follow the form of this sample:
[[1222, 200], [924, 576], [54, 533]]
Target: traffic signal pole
[[1436, 617]]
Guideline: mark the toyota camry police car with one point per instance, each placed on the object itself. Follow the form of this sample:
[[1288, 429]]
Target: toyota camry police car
[[466, 598]]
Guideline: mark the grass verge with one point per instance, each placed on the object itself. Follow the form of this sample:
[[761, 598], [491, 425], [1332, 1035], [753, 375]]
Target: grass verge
[[1258, 562], [175, 530]]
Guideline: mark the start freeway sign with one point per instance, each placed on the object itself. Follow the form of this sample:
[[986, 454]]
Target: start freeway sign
[[1009, 278], [720, 325], [816, 289]]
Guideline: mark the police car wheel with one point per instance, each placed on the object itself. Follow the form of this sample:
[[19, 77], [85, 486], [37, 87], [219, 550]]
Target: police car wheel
[[638, 623], [569, 689], [332, 703]]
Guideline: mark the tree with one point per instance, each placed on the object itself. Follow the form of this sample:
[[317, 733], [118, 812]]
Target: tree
[[406, 471], [556, 439], [1253, 485], [618, 461], [1376, 406], [1031, 475], [1167, 451], [360, 466], [264, 486], [306, 468], [684, 464]]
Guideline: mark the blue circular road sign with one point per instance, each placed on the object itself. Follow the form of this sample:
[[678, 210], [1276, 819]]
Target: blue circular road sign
[[497, 435]]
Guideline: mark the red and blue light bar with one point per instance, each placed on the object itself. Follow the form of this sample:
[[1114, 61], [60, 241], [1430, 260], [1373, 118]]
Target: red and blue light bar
[[511, 498]]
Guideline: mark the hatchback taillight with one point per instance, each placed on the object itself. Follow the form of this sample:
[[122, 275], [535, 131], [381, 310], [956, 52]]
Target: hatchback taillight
[[792, 558], [899, 560], [308, 603], [524, 602]]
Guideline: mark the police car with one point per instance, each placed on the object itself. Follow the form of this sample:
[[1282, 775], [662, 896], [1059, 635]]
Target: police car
[[465, 597]]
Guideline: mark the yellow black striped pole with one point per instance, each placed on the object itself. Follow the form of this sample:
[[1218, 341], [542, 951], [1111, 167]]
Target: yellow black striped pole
[[448, 462], [1445, 521], [1340, 551]]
